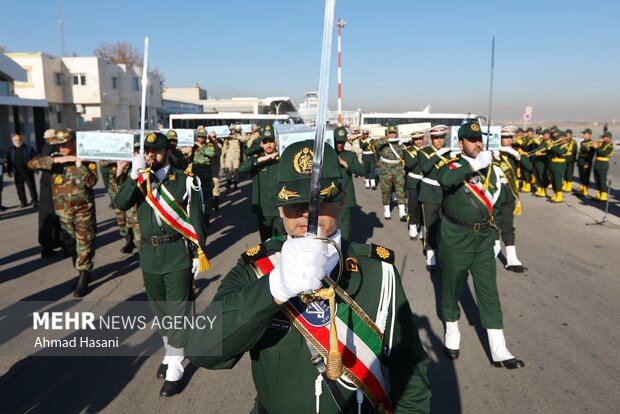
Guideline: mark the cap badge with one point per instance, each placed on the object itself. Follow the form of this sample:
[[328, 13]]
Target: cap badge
[[475, 127], [303, 161], [285, 194], [151, 138]]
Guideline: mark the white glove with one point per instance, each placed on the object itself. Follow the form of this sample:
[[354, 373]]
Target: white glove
[[442, 151], [302, 267], [483, 160], [195, 268], [138, 163], [512, 151]]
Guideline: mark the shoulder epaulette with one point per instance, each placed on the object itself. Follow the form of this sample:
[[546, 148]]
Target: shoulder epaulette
[[188, 172], [254, 253], [381, 253]]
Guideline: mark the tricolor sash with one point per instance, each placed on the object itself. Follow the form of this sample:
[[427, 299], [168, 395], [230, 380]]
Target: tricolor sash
[[359, 339], [484, 194], [169, 210]]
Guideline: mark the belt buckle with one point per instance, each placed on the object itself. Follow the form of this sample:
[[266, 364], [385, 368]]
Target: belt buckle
[[155, 241], [477, 226]]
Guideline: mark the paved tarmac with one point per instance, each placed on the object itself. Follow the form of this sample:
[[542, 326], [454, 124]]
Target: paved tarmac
[[560, 316]]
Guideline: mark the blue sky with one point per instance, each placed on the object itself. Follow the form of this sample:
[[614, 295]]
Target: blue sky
[[561, 57]]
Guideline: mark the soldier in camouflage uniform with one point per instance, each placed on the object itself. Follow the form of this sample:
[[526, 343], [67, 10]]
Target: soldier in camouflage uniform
[[74, 202], [176, 157], [201, 159], [126, 223], [392, 175], [232, 155], [215, 143]]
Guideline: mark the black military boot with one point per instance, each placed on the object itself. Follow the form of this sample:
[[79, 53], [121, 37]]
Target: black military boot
[[82, 284], [129, 244], [216, 203]]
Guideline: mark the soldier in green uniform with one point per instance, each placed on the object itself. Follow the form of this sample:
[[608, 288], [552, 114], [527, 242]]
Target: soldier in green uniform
[[349, 165], [522, 146], [263, 167], [584, 161], [468, 235], [369, 158], [74, 203], [177, 159], [262, 315], [414, 180], [571, 158], [541, 162], [431, 158], [200, 165], [392, 176], [168, 264], [558, 150], [508, 159], [601, 166]]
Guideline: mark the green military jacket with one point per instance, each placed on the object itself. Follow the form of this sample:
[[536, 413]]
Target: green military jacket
[[571, 154], [586, 153], [603, 153], [558, 155], [72, 186], [355, 167], [179, 161], [368, 150], [430, 162], [282, 371], [413, 167], [166, 257], [264, 184], [462, 204]]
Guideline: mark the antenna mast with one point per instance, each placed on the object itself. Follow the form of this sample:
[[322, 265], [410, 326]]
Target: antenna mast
[[61, 24]]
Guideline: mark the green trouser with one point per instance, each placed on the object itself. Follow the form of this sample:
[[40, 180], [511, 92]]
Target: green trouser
[[557, 175], [370, 162], [568, 172], [600, 178], [479, 259], [345, 223], [170, 295], [431, 217], [584, 172], [540, 169], [269, 226]]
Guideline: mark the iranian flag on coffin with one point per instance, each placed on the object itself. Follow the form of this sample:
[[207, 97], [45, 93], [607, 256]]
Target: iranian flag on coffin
[[359, 340]]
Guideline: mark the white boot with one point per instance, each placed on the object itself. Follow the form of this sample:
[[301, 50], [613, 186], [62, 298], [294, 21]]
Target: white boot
[[497, 247], [387, 212], [453, 335], [402, 214], [497, 343], [512, 262], [367, 182], [431, 260], [175, 363], [413, 231], [373, 183]]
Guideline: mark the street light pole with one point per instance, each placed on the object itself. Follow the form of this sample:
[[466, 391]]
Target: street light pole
[[340, 24]]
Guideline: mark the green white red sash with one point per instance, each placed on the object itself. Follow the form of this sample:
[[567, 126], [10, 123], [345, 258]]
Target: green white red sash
[[169, 210], [359, 340], [485, 196]]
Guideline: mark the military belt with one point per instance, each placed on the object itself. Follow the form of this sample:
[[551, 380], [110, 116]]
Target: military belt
[[430, 181], [470, 226], [367, 152], [390, 161], [602, 158], [417, 176], [156, 240], [558, 160]]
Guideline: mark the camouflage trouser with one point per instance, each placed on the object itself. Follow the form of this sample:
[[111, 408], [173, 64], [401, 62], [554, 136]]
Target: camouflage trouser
[[392, 174], [78, 227], [132, 223], [216, 186]]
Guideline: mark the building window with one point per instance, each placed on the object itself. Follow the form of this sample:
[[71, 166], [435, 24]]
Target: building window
[[79, 79], [4, 88], [80, 122], [114, 82], [136, 83], [59, 117], [58, 78], [111, 122]]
